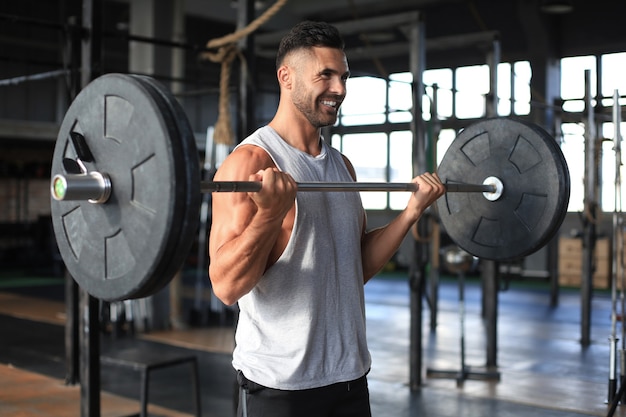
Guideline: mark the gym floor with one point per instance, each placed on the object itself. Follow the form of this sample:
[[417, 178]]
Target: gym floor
[[544, 370]]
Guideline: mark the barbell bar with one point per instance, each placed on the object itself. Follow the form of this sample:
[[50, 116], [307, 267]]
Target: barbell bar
[[126, 187], [95, 187]]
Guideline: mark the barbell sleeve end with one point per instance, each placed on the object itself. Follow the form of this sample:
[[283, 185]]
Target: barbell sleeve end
[[94, 187]]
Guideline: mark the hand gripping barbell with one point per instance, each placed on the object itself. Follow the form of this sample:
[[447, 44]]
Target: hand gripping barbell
[[126, 188]]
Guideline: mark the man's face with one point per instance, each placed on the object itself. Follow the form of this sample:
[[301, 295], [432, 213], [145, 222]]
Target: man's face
[[319, 84]]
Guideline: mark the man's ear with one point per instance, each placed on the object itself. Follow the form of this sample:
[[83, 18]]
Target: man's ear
[[284, 76]]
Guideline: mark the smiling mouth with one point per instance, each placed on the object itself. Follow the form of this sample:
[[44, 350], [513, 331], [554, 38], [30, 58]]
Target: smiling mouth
[[334, 104]]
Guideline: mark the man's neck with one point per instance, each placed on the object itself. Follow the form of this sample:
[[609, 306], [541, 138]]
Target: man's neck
[[299, 135]]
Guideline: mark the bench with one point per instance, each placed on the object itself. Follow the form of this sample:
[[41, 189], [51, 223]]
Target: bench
[[145, 362]]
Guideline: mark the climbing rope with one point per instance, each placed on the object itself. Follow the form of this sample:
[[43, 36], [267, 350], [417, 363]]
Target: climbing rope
[[225, 55]]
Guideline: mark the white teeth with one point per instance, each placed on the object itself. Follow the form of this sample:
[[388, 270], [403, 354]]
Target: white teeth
[[329, 103]]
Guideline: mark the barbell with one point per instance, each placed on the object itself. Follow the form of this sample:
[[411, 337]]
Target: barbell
[[96, 187], [125, 188]]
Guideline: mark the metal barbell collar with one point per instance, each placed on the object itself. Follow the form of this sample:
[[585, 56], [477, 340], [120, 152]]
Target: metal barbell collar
[[94, 187]]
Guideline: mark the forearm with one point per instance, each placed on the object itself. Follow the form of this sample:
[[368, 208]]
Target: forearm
[[379, 245], [237, 266]]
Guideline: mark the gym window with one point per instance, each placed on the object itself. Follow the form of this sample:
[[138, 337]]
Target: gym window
[[373, 128]]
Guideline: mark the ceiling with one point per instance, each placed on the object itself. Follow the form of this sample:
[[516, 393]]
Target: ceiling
[[525, 31]]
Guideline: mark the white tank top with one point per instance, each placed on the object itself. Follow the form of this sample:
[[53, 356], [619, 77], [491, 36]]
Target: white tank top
[[303, 325]]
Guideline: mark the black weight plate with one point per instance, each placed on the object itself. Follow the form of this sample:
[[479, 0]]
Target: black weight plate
[[159, 277], [114, 249], [536, 184], [162, 274], [190, 168]]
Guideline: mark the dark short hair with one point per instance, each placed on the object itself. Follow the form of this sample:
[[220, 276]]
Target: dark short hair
[[309, 34]]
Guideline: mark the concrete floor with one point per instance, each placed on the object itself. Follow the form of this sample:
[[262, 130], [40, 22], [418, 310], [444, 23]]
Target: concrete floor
[[544, 370]]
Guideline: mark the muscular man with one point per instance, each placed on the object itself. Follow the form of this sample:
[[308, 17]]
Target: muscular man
[[296, 262]]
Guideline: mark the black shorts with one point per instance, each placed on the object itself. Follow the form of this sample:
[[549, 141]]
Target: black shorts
[[344, 399]]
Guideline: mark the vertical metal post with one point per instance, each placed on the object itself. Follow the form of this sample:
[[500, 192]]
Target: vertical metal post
[[618, 239], [89, 355], [247, 81], [388, 140], [554, 120], [89, 325], [177, 65], [417, 58], [72, 61], [590, 211], [91, 51], [616, 250], [68, 85], [454, 93], [72, 351], [553, 269], [490, 268], [177, 70], [490, 275], [436, 245], [493, 60], [512, 83], [598, 172]]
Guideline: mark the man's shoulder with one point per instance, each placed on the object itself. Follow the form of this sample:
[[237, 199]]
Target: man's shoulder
[[250, 152]]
